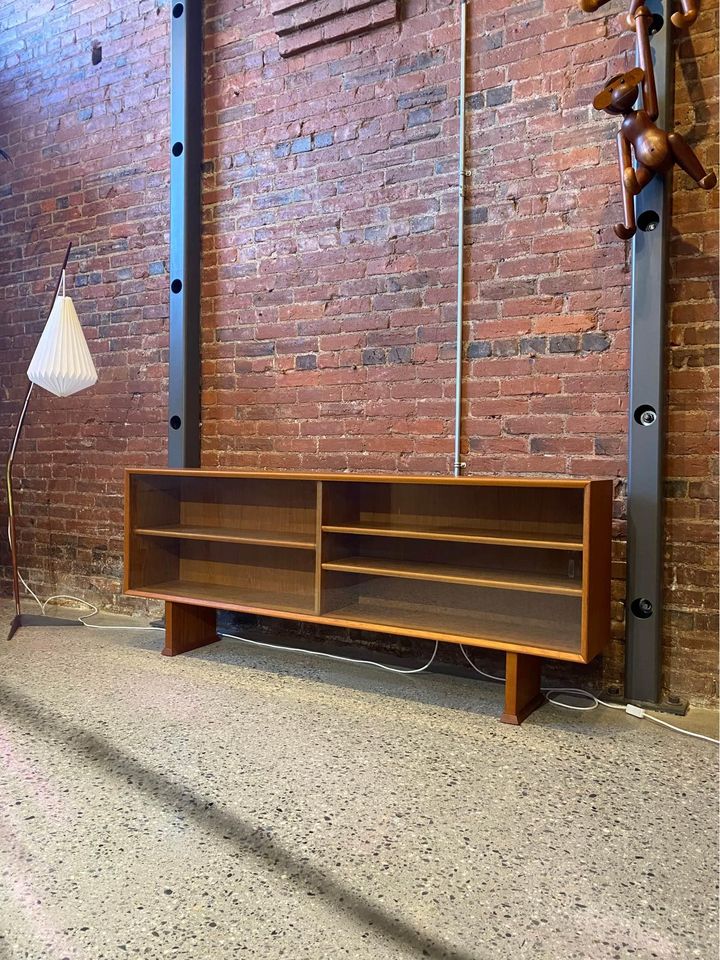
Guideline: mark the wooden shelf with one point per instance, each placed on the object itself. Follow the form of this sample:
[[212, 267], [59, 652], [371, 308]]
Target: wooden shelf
[[300, 541], [514, 564], [445, 573], [520, 565], [220, 595], [555, 541], [463, 626]]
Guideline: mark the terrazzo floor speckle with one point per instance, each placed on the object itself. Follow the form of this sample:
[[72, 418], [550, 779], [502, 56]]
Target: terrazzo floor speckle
[[240, 803]]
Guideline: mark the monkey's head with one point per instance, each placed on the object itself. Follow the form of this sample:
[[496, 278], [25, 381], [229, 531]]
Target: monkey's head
[[620, 92]]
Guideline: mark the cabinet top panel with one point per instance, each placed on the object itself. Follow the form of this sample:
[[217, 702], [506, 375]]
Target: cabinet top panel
[[496, 481]]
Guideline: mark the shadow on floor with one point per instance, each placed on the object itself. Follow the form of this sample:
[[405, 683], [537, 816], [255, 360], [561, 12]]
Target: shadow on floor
[[483, 697], [223, 825]]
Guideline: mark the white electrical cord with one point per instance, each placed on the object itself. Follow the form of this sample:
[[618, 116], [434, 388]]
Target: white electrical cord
[[482, 673], [332, 656], [629, 708], [66, 596], [670, 726], [549, 692], [104, 626]]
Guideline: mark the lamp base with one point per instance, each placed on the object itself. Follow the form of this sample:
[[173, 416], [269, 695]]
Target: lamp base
[[39, 620]]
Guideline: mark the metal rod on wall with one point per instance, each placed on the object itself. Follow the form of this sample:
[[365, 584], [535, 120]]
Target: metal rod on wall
[[458, 464], [643, 630], [186, 42]]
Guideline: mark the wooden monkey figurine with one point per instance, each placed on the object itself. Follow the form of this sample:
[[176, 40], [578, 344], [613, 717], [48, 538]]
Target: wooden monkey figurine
[[684, 17], [655, 150]]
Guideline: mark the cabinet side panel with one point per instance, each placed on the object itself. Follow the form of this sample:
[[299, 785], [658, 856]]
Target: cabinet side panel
[[597, 529], [149, 501], [128, 527]]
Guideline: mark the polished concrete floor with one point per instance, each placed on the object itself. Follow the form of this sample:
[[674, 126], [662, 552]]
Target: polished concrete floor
[[240, 803]]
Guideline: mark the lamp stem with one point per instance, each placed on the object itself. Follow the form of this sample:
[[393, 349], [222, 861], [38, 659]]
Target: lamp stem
[[11, 461], [11, 502]]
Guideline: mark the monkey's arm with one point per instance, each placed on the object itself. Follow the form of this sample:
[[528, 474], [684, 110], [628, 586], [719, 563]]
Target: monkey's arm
[[627, 229], [643, 19], [690, 11]]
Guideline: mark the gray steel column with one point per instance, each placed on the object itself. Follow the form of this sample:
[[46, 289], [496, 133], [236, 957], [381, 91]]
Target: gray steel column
[[186, 40], [643, 655]]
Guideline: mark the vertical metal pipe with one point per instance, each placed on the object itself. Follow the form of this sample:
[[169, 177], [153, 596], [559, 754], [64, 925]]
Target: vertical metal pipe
[[643, 615], [458, 464]]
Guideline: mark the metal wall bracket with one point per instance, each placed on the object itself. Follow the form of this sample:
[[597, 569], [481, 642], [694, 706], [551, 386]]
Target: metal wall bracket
[[186, 97], [643, 631], [677, 706]]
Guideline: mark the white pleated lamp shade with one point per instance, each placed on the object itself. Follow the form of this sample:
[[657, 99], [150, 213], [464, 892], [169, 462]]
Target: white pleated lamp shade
[[62, 363]]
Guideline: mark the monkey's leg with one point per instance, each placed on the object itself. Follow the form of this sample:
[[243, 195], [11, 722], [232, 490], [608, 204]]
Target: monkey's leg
[[627, 229], [690, 10], [635, 180], [686, 158]]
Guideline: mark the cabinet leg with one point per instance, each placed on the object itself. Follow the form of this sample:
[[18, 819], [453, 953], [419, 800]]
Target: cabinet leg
[[187, 628], [522, 687]]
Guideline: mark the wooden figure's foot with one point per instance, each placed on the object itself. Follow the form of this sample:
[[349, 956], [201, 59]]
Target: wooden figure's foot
[[625, 233], [685, 156], [683, 20]]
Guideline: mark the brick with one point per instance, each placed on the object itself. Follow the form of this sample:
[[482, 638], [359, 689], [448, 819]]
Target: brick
[[498, 95], [307, 361], [564, 344], [595, 342], [479, 349], [422, 61], [424, 97], [474, 215], [419, 116]]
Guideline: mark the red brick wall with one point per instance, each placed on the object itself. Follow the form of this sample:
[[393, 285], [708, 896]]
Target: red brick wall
[[89, 146], [691, 624], [329, 258]]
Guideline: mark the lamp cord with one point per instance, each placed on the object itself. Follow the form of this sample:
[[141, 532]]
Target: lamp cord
[[552, 692]]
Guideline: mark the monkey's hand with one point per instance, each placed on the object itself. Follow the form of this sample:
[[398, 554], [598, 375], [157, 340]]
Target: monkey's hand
[[625, 233], [635, 11]]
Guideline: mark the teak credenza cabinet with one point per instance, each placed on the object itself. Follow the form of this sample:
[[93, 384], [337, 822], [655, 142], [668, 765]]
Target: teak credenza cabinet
[[514, 564]]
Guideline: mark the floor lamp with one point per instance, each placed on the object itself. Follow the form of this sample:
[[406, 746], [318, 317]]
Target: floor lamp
[[62, 365]]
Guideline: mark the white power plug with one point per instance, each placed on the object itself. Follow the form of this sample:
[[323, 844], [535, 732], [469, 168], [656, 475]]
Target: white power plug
[[634, 711]]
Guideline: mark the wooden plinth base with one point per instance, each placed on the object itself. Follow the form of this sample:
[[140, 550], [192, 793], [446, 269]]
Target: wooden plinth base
[[522, 687], [188, 628]]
